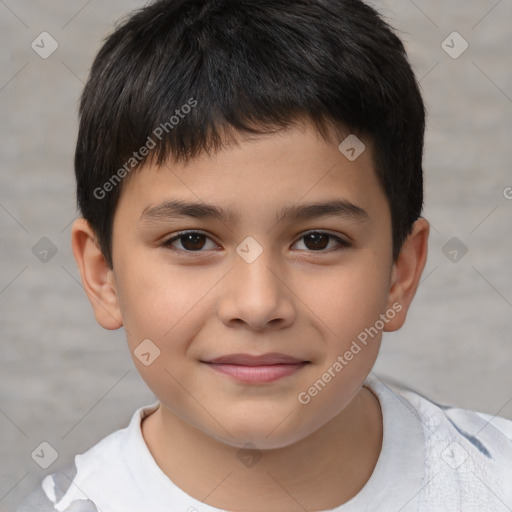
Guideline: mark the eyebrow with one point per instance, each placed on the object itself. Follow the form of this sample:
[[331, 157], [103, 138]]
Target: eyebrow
[[198, 210]]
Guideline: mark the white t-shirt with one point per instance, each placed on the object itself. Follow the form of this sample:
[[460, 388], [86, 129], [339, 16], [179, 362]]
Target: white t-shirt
[[433, 459]]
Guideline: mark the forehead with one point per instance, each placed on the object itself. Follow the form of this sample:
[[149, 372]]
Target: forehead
[[272, 172]]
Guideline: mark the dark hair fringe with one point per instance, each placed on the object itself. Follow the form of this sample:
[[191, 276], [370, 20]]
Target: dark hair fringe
[[253, 66]]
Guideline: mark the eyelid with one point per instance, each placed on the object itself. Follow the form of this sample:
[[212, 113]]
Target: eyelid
[[343, 242], [167, 243], [341, 237]]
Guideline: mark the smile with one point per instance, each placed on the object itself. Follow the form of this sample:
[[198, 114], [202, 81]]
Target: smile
[[257, 369], [255, 374]]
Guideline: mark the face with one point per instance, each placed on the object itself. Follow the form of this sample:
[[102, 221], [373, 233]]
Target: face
[[263, 276]]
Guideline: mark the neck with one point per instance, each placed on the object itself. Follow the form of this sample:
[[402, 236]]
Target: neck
[[322, 471]]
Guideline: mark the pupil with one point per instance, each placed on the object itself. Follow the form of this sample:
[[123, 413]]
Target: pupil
[[317, 240], [193, 241]]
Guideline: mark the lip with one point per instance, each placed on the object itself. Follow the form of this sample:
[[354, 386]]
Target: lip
[[257, 369], [260, 360]]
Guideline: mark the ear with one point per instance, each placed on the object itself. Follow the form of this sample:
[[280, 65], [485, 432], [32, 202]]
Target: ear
[[406, 273], [97, 277]]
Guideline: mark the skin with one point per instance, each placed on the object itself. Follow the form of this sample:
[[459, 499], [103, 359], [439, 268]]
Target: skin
[[309, 301]]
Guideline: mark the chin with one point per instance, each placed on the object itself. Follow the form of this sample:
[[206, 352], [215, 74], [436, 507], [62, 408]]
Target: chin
[[259, 441], [263, 435]]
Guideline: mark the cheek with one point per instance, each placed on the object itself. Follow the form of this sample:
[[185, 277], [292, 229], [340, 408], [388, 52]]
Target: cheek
[[157, 300], [160, 306], [350, 304], [350, 299]]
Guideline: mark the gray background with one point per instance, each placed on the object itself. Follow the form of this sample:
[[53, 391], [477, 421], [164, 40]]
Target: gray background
[[67, 381]]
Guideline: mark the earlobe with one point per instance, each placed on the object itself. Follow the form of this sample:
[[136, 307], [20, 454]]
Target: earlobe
[[406, 272], [97, 276]]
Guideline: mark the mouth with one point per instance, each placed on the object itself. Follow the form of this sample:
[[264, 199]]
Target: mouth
[[257, 369]]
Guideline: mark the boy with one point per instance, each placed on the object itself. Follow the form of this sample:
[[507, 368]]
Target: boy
[[250, 178]]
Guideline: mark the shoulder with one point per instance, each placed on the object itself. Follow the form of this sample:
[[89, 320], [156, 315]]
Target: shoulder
[[48, 494], [68, 488], [467, 454], [51, 491], [482, 433]]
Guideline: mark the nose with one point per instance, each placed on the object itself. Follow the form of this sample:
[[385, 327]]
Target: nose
[[256, 295]]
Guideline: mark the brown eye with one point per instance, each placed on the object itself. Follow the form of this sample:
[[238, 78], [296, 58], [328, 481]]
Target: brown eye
[[190, 242], [193, 241], [318, 241]]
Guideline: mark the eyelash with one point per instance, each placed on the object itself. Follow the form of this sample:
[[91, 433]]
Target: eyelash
[[342, 244]]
